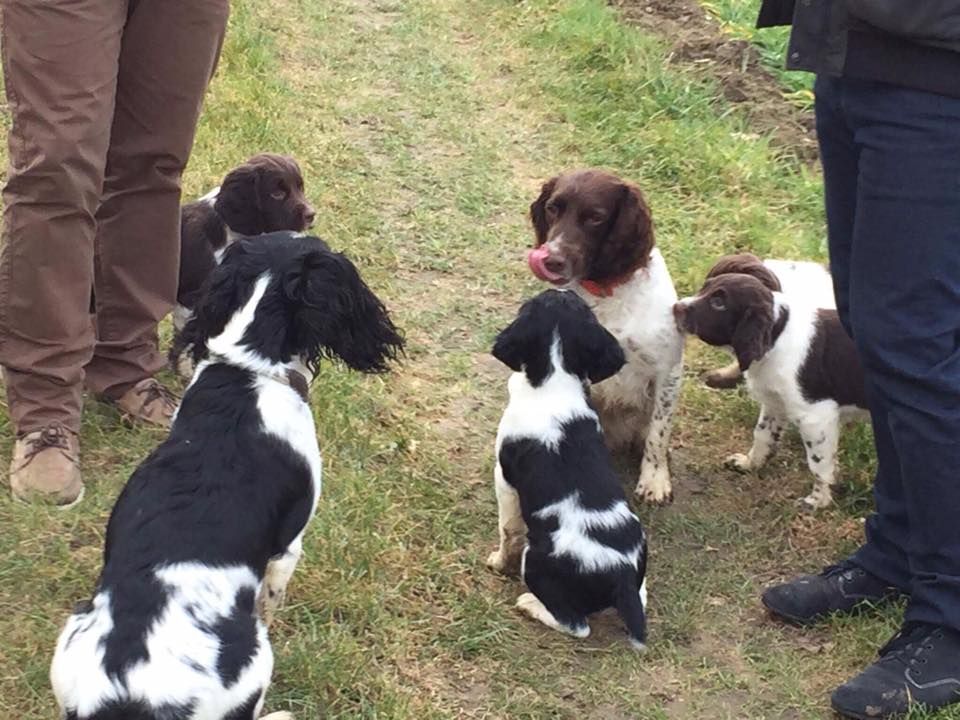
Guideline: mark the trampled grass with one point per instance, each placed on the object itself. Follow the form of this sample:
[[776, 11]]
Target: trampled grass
[[424, 128]]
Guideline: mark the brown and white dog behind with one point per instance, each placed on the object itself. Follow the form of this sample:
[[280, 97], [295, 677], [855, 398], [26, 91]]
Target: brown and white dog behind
[[806, 280], [594, 234], [798, 361], [264, 194]]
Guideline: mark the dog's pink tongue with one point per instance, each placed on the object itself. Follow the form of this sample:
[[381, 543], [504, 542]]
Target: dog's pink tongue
[[536, 260]]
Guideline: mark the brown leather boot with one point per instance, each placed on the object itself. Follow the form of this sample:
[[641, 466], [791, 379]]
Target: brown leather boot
[[148, 401], [46, 467]]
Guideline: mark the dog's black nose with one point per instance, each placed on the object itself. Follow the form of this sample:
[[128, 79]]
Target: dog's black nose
[[308, 217]]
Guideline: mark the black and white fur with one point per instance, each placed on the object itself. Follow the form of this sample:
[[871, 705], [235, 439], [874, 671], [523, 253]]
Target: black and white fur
[[798, 362], [563, 516], [207, 533]]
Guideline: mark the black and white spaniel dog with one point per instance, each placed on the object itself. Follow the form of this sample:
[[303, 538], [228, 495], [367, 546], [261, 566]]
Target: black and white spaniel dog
[[807, 281], [263, 195], [208, 530], [594, 234], [798, 361], [564, 520]]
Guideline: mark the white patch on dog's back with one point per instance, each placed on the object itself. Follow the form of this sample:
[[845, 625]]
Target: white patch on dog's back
[[76, 672], [539, 413], [183, 653], [572, 539]]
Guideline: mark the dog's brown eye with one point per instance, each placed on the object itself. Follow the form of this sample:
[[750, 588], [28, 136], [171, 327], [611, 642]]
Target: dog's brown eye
[[718, 303], [594, 219], [278, 194], [552, 208]]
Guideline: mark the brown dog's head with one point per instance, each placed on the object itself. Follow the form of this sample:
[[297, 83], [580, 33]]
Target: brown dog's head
[[264, 194], [734, 310], [745, 264], [589, 225]]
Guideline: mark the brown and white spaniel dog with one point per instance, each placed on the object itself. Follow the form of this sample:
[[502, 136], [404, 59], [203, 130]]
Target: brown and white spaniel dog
[[594, 234], [264, 194], [798, 362], [808, 281]]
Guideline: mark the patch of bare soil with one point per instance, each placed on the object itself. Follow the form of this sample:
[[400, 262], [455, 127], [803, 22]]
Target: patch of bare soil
[[698, 40]]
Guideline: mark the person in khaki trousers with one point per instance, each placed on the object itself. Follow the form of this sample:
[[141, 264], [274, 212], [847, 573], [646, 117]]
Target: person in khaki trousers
[[104, 97]]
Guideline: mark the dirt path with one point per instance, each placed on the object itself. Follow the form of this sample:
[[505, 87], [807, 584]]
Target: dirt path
[[696, 39]]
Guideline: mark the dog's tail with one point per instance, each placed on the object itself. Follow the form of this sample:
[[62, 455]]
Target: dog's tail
[[630, 602]]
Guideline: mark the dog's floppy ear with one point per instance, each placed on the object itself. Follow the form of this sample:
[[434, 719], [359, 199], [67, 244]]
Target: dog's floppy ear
[[538, 211], [753, 336], [335, 314], [602, 354], [238, 201], [630, 239], [512, 344]]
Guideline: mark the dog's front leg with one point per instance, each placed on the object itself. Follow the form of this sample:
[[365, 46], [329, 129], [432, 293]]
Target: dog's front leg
[[654, 485], [279, 571], [513, 530], [766, 437]]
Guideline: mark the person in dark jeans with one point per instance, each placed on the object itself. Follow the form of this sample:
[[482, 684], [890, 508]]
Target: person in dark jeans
[[888, 123]]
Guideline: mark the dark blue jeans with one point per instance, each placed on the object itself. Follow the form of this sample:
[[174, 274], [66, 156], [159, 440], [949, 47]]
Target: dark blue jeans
[[891, 164]]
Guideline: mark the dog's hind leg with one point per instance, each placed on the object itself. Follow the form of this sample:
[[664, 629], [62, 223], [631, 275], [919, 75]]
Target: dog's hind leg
[[279, 571], [724, 378], [513, 530], [547, 601]]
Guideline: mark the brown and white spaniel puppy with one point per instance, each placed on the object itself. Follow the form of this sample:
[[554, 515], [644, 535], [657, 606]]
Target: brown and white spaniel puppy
[[594, 234], [798, 361], [803, 279], [263, 195]]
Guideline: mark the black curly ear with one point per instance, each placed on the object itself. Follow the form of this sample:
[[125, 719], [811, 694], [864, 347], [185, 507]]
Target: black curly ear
[[753, 336], [538, 211], [335, 315], [238, 202], [603, 354], [524, 346]]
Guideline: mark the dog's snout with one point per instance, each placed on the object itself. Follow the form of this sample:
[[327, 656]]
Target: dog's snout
[[555, 264], [309, 215]]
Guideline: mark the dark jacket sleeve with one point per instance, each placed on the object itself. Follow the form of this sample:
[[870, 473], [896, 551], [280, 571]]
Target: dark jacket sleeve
[[931, 22], [775, 12]]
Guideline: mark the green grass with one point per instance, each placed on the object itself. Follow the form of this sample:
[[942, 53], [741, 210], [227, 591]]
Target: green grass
[[425, 128]]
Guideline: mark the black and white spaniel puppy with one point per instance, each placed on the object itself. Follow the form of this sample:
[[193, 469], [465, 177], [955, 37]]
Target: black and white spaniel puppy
[[563, 517], [265, 194], [808, 281], [208, 530], [594, 234], [799, 364]]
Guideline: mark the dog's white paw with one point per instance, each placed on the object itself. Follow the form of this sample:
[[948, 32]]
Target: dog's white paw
[[818, 499], [739, 461], [495, 561], [654, 486]]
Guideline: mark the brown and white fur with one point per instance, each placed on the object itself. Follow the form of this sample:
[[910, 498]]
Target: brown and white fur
[[804, 279], [594, 234], [264, 194], [799, 364]]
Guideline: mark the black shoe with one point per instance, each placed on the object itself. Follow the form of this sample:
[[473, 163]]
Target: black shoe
[[839, 588], [920, 666]]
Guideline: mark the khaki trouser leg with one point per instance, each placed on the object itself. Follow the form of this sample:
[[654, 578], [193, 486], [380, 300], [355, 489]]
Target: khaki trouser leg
[[60, 66], [170, 50]]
